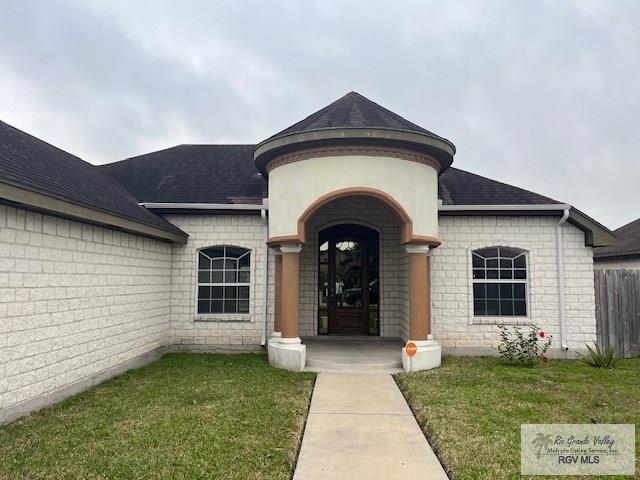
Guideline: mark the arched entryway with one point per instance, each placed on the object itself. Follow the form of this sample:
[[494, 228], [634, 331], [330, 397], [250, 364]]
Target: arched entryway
[[404, 311], [348, 280], [391, 287]]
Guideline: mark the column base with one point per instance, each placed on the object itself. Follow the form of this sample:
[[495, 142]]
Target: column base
[[428, 356], [287, 353], [275, 337]]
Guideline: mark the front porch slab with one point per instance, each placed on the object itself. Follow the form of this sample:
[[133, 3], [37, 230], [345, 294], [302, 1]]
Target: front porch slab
[[352, 353]]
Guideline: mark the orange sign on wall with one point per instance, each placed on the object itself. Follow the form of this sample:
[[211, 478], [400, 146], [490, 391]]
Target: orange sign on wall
[[411, 349]]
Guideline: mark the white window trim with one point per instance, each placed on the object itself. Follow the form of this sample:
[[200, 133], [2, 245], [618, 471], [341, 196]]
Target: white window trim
[[225, 317], [498, 319]]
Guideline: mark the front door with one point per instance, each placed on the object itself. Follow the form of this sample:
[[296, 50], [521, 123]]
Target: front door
[[348, 281]]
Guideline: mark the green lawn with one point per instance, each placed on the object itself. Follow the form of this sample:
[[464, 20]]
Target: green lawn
[[471, 408], [185, 416]]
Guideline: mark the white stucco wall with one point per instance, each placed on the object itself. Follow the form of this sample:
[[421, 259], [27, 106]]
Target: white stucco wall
[[454, 325], [76, 301], [222, 332], [295, 186], [394, 304], [630, 263]]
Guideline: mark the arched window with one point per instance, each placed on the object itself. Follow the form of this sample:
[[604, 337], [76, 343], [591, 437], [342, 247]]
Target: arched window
[[499, 282], [223, 280]]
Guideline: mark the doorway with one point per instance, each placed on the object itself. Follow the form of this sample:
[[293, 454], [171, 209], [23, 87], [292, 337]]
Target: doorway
[[348, 281]]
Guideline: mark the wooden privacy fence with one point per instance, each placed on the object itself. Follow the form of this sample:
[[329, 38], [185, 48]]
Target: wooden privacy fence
[[618, 310]]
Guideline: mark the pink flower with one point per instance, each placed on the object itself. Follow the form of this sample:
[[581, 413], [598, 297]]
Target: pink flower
[[541, 334]]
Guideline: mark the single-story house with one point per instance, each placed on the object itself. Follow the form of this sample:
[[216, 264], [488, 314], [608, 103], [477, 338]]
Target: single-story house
[[349, 222], [624, 252]]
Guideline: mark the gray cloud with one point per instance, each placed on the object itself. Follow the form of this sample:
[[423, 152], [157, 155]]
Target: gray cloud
[[542, 95]]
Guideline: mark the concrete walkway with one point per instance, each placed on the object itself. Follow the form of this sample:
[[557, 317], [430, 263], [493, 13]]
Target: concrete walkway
[[360, 427]]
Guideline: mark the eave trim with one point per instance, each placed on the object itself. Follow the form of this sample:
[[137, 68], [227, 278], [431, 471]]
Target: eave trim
[[202, 206], [613, 255], [596, 234], [49, 204], [505, 208], [265, 151]]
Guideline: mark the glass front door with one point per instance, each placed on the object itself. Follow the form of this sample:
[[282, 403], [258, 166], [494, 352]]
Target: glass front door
[[348, 284]]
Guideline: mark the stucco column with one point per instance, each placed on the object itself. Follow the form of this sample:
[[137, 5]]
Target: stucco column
[[290, 299], [288, 351], [428, 353], [277, 317], [419, 292]]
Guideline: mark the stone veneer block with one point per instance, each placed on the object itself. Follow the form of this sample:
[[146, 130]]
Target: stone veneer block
[[233, 332], [453, 323], [78, 300]]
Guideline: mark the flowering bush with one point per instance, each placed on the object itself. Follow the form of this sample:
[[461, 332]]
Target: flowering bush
[[522, 348]]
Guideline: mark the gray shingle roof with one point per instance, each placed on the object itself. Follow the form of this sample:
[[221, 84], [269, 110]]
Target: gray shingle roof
[[458, 187], [627, 242], [192, 174], [354, 120], [353, 111], [226, 174], [32, 164]]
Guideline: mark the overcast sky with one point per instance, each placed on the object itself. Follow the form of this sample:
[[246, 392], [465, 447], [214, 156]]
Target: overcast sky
[[542, 95]]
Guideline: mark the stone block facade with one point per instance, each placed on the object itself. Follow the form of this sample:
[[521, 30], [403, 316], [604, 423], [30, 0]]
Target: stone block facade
[[454, 325], [76, 301], [219, 332], [79, 303]]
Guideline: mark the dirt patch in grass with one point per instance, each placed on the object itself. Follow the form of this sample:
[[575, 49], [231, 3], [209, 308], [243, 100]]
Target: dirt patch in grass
[[194, 416], [471, 409]]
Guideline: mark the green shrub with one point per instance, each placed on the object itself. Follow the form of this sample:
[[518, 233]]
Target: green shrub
[[521, 348], [600, 358]]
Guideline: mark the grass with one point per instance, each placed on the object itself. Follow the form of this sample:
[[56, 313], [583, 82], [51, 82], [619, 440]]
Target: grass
[[471, 408], [194, 416]]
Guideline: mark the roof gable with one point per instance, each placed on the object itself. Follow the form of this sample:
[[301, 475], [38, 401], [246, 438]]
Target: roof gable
[[627, 242], [32, 164]]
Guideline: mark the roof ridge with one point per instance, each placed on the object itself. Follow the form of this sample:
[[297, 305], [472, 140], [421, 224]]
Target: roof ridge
[[391, 112], [326, 107], [154, 152], [91, 169], [45, 142], [637, 220], [372, 114], [216, 145], [503, 183], [206, 174]]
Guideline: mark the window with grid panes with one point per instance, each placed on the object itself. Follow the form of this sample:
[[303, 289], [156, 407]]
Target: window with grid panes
[[499, 282], [223, 280]]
